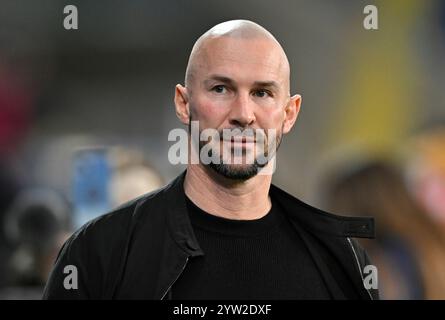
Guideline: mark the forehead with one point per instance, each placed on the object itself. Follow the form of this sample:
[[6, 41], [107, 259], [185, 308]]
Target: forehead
[[255, 59]]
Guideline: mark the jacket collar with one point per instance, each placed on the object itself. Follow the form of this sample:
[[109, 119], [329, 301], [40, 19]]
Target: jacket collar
[[312, 219], [177, 217]]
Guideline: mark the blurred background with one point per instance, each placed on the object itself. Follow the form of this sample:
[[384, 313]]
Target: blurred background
[[85, 115]]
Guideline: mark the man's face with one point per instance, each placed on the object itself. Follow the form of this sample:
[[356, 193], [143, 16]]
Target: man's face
[[244, 84]]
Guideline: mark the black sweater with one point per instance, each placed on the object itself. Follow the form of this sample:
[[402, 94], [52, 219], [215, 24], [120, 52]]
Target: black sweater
[[248, 259]]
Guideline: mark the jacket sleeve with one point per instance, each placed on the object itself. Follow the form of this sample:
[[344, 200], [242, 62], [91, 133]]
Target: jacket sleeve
[[364, 261], [71, 275], [91, 261]]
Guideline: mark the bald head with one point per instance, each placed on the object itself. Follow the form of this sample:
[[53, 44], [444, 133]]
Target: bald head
[[238, 30]]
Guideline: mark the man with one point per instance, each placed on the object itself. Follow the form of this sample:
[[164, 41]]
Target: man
[[221, 230]]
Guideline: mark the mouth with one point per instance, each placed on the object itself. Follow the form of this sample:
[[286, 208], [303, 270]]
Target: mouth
[[240, 140]]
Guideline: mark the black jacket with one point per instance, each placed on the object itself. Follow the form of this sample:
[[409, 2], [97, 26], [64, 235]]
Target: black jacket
[[140, 249]]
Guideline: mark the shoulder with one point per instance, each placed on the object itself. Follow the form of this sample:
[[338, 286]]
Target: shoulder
[[323, 222], [117, 224]]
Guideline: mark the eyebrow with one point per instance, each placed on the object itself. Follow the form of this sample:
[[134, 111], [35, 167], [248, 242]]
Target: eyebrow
[[227, 80], [220, 78], [267, 84]]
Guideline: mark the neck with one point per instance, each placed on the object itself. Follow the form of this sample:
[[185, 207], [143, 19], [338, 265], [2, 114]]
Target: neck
[[227, 198]]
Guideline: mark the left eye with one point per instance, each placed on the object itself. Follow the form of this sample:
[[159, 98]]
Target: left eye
[[261, 93]]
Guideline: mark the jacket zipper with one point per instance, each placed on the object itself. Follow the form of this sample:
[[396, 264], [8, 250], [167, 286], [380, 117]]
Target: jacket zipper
[[350, 244], [359, 268], [176, 279]]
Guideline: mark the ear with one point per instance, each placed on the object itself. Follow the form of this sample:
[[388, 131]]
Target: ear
[[291, 112], [182, 104]]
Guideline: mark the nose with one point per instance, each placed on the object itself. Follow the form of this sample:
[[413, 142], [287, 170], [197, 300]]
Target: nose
[[242, 111]]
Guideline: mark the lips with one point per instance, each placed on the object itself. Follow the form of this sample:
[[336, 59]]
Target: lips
[[240, 140]]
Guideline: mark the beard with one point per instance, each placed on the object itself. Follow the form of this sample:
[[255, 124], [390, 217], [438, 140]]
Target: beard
[[242, 171], [236, 173]]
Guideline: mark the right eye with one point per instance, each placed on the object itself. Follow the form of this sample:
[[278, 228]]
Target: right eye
[[219, 89]]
